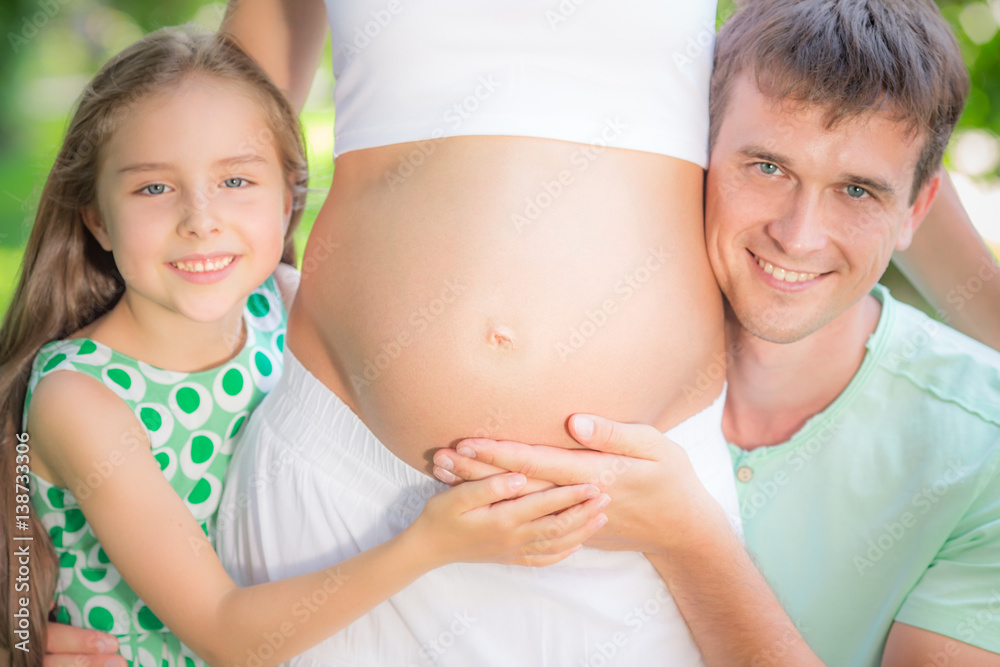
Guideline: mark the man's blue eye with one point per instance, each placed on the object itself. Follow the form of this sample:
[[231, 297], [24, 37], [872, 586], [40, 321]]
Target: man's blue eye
[[155, 189], [856, 191], [234, 182], [768, 168]]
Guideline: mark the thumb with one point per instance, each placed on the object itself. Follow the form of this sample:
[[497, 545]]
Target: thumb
[[636, 440], [470, 495]]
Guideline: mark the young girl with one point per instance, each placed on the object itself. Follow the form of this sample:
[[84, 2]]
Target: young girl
[[169, 206]]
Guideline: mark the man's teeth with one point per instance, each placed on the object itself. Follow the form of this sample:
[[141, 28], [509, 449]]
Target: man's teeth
[[200, 266], [785, 274]]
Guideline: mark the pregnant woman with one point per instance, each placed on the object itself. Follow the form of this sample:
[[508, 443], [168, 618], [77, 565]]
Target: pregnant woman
[[513, 234]]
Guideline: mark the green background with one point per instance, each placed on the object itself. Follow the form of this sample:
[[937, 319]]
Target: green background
[[52, 47]]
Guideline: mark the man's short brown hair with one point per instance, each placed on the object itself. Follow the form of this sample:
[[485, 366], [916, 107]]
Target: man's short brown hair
[[853, 57]]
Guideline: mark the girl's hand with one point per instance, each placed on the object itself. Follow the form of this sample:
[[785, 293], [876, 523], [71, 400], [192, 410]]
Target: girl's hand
[[660, 505], [484, 522]]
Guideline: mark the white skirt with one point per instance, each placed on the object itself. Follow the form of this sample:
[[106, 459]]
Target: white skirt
[[310, 486]]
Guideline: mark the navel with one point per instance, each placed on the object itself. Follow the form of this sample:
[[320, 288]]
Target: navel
[[501, 338]]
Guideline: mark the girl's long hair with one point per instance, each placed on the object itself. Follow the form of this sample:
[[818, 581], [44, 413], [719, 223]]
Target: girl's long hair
[[67, 280]]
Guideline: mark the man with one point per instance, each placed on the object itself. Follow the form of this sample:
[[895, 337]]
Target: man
[[780, 192], [866, 436]]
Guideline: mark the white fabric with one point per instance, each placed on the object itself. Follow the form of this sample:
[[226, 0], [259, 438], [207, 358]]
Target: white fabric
[[310, 486], [624, 73]]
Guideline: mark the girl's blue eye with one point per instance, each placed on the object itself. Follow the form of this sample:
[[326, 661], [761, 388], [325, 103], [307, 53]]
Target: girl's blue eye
[[768, 168], [234, 182], [856, 191], [155, 189]]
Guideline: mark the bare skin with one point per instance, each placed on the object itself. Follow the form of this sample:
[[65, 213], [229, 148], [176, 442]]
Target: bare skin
[[423, 294]]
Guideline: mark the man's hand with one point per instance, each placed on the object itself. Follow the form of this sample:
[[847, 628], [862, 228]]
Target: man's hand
[[68, 646], [659, 503], [658, 507]]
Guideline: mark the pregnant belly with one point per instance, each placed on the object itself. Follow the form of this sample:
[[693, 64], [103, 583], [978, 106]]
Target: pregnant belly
[[503, 284]]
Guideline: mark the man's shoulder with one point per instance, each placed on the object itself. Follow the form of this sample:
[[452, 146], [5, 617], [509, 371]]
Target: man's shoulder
[[945, 364]]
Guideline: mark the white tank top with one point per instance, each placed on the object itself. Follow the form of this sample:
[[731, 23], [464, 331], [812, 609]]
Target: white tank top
[[623, 73]]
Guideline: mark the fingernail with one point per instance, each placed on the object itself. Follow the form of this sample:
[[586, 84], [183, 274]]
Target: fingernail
[[593, 492], [443, 475], [584, 426], [467, 452], [604, 502], [516, 482], [602, 520], [444, 462], [106, 645]]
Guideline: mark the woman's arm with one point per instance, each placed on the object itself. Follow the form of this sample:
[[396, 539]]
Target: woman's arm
[[79, 426], [285, 37], [950, 265]]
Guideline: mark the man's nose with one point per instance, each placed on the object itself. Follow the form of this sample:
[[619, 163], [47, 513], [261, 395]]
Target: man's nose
[[799, 229]]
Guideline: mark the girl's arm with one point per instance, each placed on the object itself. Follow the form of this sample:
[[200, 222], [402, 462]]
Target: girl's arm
[[90, 442], [950, 265], [285, 37]]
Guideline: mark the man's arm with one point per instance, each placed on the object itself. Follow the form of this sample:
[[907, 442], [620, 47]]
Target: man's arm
[[285, 37], [950, 265], [908, 645]]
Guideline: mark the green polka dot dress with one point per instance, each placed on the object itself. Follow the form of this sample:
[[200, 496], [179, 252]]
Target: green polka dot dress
[[191, 420]]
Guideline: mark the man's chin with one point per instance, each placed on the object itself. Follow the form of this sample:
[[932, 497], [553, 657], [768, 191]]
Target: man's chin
[[775, 326]]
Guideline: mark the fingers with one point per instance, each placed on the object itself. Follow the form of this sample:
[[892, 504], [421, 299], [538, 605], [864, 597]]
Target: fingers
[[451, 467], [67, 639], [487, 491], [553, 464], [537, 505], [636, 440], [566, 532]]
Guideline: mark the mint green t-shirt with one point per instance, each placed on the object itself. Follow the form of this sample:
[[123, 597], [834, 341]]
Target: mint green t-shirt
[[886, 506]]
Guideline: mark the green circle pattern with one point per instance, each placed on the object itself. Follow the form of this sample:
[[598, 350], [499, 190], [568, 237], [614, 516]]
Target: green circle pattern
[[208, 451]]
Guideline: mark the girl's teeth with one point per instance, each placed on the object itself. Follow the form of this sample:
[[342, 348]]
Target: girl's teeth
[[208, 265], [785, 275]]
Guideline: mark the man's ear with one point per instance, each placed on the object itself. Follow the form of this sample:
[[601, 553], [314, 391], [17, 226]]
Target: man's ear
[[92, 220], [918, 211]]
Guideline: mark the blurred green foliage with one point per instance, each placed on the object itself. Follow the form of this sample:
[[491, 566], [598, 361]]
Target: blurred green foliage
[[52, 47]]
